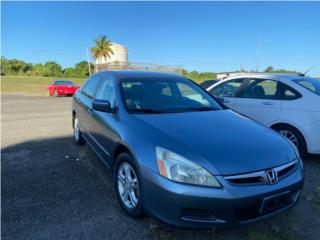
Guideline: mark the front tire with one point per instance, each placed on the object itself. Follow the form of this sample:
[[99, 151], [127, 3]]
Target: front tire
[[77, 134], [294, 136], [127, 186]]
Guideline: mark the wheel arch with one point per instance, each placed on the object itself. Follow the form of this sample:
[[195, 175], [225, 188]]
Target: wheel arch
[[73, 115], [275, 125], [121, 148]]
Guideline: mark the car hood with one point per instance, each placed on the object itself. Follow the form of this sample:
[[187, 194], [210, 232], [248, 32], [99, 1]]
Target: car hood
[[222, 141]]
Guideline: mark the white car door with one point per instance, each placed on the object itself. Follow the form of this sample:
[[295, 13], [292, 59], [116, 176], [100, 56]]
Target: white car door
[[227, 90], [260, 100]]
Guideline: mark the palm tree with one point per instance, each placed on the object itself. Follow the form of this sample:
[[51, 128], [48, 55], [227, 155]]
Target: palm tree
[[102, 49]]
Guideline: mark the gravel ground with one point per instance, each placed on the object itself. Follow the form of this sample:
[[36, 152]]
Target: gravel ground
[[54, 189]]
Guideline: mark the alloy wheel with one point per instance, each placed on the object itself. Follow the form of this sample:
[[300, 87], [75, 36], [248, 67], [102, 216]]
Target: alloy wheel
[[128, 185], [76, 129], [291, 136]]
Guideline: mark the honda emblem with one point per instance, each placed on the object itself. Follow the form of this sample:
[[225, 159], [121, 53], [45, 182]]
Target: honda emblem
[[271, 176]]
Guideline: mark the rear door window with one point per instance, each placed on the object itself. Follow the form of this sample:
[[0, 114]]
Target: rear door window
[[288, 93], [90, 86]]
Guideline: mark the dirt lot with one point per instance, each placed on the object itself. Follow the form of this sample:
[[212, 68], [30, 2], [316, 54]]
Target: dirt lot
[[53, 189]]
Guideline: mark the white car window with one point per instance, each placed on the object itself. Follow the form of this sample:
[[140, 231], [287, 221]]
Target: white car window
[[227, 89], [289, 93], [262, 89], [311, 84]]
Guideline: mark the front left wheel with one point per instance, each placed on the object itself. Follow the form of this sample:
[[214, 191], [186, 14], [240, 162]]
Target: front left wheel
[[127, 186], [77, 134]]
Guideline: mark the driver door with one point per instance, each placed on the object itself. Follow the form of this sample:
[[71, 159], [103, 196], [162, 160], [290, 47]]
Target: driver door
[[260, 100], [102, 124]]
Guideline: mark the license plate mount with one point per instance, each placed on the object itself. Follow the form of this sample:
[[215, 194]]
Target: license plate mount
[[275, 202]]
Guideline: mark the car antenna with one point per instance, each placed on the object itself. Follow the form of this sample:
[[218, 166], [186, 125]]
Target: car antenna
[[308, 70]]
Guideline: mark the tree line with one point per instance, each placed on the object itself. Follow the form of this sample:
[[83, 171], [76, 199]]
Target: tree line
[[16, 67], [102, 48]]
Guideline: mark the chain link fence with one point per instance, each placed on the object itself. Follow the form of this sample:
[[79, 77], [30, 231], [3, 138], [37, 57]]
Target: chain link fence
[[134, 66]]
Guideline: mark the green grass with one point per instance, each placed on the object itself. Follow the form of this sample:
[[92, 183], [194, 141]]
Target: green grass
[[35, 86]]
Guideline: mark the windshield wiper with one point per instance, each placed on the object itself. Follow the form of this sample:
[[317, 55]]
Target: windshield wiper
[[146, 110], [201, 109]]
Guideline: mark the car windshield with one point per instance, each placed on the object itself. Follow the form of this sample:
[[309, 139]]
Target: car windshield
[[165, 96], [61, 82], [311, 84]]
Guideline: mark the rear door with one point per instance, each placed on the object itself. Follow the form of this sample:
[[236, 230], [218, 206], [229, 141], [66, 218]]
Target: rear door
[[229, 90], [260, 100], [84, 112]]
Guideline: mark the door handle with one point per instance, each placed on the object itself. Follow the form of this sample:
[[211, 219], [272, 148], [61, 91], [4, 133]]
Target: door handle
[[267, 103]]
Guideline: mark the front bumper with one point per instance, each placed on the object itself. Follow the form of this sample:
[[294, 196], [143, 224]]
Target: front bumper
[[196, 206]]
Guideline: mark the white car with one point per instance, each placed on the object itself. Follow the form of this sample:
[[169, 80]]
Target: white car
[[290, 104]]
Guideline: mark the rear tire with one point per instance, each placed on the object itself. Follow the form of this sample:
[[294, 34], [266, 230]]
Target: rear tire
[[293, 135], [77, 134], [128, 186]]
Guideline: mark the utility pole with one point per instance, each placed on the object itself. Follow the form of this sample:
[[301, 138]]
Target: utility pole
[[258, 53], [87, 50]]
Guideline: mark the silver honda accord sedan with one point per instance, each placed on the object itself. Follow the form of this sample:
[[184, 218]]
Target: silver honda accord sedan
[[179, 155]]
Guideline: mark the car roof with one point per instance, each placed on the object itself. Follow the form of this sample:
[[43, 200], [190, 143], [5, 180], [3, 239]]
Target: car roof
[[277, 76], [139, 74]]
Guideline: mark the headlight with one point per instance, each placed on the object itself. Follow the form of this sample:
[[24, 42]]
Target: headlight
[[180, 169]]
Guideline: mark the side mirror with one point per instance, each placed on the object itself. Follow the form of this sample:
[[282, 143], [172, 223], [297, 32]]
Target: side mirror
[[101, 105], [220, 99]]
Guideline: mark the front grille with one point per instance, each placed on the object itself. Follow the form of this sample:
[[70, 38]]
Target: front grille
[[286, 171], [261, 177], [247, 180]]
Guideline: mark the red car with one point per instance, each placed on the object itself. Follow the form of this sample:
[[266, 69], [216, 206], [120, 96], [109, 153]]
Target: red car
[[62, 87]]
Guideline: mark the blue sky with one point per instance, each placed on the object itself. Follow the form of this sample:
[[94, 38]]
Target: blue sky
[[205, 36]]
